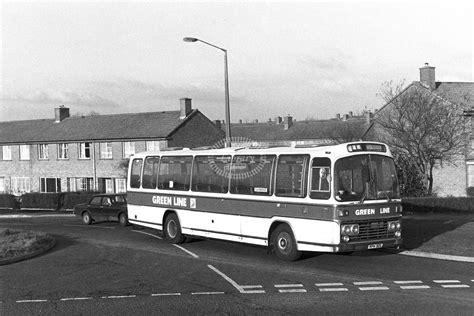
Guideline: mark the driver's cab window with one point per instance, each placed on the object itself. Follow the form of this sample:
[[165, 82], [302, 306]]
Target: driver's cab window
[[320, 178]]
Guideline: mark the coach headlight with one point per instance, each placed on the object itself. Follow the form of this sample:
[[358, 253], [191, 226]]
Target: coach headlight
[[350, 230], [394, 226]]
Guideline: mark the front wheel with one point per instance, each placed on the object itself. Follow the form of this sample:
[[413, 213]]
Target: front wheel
[[123, 219], [86, 218], [284, 243], [173, 229]]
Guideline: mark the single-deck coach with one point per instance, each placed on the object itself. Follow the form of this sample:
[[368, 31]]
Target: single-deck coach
[[338, 198]]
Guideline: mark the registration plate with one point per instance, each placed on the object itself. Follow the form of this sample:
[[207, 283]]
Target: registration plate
[[374, 246]]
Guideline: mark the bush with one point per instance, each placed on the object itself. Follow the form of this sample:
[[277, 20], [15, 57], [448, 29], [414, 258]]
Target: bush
[[438, 205], [470, 191], [40, 200], [8, 201]]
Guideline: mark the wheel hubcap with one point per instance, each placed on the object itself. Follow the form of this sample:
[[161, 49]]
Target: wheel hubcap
[[172, 229]]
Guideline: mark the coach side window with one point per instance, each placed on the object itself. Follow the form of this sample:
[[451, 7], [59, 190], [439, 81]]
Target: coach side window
[[290, 175], [320, 178], [135, 173], [252, 174], [175, 173], [211, 174], [150, 172]]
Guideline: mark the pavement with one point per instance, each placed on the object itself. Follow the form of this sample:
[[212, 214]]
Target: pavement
[[444, 236]]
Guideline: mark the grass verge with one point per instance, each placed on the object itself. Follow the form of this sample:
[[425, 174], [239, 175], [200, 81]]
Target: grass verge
[[16, 243]]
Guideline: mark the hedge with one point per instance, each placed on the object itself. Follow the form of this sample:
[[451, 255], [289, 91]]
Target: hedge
[[71, 199], [438, 205], [49, 201], [8, 201], [40, 200]]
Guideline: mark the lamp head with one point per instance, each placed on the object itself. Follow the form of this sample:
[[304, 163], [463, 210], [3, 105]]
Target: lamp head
[[190, 39]]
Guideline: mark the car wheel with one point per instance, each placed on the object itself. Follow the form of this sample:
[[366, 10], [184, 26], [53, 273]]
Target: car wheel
[[284, 243], [86, 218], [173, 229], [123, 219]]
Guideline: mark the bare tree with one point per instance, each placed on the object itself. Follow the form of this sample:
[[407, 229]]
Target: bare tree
[[422, 125], [343, 132]]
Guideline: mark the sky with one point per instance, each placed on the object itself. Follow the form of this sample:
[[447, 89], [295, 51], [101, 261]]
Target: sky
[[310, 60]]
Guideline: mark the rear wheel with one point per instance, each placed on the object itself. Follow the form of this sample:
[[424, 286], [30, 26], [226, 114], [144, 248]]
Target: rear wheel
[[284, 243], [123, 219], [173, 229], [86, 218]]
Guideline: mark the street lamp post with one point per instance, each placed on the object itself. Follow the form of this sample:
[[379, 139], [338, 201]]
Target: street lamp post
[[226, 75]]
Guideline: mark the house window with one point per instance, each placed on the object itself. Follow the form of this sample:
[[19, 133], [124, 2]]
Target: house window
[[128, 149], [151, 145], [84, 150], [24, 152], [20, 185], [63, 151], [120, 185], [6, 152], [2, 185], [80, 184], [50, 185], [43, 151], [105, 185], [470, 175], [105, 150]]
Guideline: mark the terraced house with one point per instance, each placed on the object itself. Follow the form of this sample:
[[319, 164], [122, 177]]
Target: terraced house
[[83, 153]]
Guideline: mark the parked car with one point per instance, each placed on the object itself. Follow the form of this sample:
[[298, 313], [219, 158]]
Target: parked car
[[109, 207]]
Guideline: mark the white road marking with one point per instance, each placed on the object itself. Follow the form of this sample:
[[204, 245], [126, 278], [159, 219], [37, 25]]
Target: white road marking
[[328, 287], [76, 298], [454, 286], [374, 288], [239, 288], [436, 256], [328, 284], [292, 290], [333, 289], [31, 301], [206, 293], [166, 294], [446, 281], [145, 233], [408, 282], [414, 287], [368, 283], [187, 251], [119, 296], [288, 285]]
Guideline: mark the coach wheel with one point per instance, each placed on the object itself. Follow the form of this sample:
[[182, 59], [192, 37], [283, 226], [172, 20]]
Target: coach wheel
[[86, 218], [284, 243], [173, 229], [123, 219]]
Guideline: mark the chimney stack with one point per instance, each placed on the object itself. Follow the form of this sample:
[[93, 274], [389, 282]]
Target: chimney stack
[[427, 76], [218, 124], [185, 107], [288, 122], [61, 113]]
